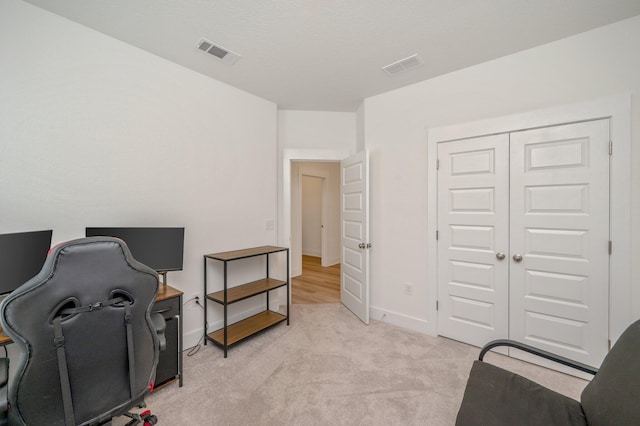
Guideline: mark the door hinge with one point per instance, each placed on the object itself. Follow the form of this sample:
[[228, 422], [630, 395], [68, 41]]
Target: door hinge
[[437, 235], [610, 247], [438, 164], [437, 305], [609, 344], [610, 147]]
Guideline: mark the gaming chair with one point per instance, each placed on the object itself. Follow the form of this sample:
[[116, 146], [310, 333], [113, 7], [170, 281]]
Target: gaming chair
[[87, 342]]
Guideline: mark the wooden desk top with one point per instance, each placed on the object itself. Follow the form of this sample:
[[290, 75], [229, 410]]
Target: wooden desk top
[[167, 292], [4, 339], [164, 292]]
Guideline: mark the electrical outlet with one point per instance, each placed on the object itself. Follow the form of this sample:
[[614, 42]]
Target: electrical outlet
[[192, 302], [408, 289], [269, 225]]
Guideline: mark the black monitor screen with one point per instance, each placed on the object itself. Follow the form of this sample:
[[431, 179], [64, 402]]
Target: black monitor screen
[[159, 248], [21, 257]]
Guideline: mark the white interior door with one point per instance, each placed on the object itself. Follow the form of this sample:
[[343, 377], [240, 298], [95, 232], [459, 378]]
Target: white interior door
[[312, 215], [473, 239], [354, 208], [559, 239]]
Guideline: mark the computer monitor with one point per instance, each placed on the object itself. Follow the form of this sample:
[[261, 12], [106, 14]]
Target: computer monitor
[[22, 255], [159, 248]]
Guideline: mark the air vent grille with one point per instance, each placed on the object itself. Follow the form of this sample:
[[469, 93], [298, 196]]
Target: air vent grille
[[403, 65], [216, 51], [204, 45], [224, 54]]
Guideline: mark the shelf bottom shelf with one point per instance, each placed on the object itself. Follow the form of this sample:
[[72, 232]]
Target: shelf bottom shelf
[[247, 327]]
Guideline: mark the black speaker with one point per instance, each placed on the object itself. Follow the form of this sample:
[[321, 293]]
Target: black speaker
[[167, 368]]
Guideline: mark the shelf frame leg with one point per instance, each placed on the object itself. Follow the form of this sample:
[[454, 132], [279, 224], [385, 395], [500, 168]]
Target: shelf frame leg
[[204, 300], [288, 286], [225, 309]]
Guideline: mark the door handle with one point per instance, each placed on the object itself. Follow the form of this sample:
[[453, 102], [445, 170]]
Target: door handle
[[517, 258], [500, 255]]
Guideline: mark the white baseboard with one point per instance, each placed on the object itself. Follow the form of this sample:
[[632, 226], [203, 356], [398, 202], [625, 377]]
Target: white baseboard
[[192, 338], [311, 252], [404, 321], [331, 262], [411, 323]]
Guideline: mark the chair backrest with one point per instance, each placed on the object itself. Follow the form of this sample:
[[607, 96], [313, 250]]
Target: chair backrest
[[79, 274], [613, 396]]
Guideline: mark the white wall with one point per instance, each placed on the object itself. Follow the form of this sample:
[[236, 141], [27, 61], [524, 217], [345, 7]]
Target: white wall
[[592, 65], [94, 132], [360, 136], [316, 130]]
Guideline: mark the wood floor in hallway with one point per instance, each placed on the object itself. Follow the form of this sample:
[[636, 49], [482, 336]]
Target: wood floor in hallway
[[317, 284]]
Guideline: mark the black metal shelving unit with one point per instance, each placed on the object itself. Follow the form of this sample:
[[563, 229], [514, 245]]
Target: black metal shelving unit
[[230, 334]]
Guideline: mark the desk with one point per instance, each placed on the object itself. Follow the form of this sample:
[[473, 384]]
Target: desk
[[169, 304], [4, 339]]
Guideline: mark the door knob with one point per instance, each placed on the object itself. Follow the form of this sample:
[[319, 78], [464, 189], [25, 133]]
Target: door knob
[[517, 258], [362, 245], [500, 255]]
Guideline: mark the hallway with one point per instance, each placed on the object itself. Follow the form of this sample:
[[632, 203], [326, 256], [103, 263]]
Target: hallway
[[317, 284]]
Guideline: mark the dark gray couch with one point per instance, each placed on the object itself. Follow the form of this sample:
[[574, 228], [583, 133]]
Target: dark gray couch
[[494, 396]]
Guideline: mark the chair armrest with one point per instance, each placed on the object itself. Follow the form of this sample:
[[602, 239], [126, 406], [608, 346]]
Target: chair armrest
[[4, 398], [539, 352], [159, 326]]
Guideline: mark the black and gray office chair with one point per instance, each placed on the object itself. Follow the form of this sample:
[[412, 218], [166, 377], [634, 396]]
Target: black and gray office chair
[[87, 342], [496, 397]]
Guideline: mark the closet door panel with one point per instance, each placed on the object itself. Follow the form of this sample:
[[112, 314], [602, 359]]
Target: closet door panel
[[559, 214], [473, 190]]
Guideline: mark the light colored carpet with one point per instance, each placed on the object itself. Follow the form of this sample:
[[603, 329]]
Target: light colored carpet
[[328, 368]]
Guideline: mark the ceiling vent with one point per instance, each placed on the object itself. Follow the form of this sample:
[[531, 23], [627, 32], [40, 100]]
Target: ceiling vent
[[402, 65], [224, 54]]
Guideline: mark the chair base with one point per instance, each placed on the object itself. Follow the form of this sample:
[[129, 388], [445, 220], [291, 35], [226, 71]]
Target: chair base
[[146, 418]]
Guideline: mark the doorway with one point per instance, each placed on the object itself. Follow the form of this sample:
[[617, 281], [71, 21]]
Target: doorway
[[354, 245], [315, 232]]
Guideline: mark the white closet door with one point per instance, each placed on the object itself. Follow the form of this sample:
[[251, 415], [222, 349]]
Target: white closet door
[[559, 212], [473, 226]]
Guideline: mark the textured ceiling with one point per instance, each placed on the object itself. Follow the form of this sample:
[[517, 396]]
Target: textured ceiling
[[327, 54]]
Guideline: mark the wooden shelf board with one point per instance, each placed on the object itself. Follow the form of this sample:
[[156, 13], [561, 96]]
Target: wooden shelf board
[[243, 291], [247, 327]]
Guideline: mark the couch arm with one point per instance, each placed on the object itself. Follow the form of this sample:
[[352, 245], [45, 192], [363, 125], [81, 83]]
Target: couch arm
[[539, 352], [159, 326]]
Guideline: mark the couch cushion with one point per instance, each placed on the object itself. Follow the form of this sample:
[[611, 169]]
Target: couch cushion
[[613, 396], [494, 396]]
